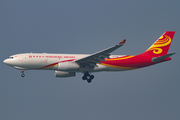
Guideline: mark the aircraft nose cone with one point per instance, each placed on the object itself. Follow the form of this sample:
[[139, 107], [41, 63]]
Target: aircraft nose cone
[[8, 62], [5, 61]]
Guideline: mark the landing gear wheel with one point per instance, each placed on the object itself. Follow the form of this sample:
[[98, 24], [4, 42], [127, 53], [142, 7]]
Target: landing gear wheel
[[88, 77], [89, 80], [84, 77], [92, 76], [22, 75]]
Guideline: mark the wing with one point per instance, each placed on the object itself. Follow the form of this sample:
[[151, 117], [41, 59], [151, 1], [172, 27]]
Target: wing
[[95, 58]]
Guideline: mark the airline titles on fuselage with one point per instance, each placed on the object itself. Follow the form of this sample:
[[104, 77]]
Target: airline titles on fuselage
[[49, 56]]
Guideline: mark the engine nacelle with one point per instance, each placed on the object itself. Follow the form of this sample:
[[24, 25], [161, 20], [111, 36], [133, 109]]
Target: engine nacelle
[[64, 74], [68, 66]]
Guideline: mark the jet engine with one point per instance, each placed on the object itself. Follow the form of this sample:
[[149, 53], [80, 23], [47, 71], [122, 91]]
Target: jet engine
[[64, 74], [68, 66]]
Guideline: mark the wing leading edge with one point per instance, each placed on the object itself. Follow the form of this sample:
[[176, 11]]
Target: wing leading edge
[[95, 58]]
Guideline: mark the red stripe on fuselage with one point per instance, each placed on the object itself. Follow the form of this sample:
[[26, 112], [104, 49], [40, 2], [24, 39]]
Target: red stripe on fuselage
[[54, 64]]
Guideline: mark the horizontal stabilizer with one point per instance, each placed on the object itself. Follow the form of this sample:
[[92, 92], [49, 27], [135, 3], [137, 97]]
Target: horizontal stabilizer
[[162, 57]]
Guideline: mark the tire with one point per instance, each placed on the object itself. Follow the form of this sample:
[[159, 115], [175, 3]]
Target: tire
[[84, 77], [89, 80], [22, 75], [92, 76]]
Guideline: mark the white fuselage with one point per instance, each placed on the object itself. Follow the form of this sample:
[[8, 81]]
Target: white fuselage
[[44, 61]]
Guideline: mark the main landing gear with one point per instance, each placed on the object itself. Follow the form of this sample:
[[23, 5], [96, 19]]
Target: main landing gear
[[88, 77], [22, 75]]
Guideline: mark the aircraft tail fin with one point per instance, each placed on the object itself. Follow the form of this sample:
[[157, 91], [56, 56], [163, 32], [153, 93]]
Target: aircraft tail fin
[[161, 46]]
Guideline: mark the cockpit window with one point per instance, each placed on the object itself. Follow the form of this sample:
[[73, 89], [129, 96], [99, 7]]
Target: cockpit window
[[11, 57]]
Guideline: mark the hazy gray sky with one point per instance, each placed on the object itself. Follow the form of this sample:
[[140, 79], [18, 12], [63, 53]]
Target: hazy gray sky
[[68, 26]]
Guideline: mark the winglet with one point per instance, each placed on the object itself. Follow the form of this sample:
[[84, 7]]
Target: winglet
[[122, 42]]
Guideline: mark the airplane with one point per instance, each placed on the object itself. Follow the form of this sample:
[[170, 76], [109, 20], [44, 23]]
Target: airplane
[[66, 65]]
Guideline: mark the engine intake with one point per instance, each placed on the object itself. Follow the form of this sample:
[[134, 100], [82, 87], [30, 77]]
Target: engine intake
[[64, 74]]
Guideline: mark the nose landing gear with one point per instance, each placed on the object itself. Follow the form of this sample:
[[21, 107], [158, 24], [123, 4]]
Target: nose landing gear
[[88, 77], [22, 75]]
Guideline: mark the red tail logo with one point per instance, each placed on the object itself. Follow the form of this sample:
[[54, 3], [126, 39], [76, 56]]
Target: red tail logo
[[161, 46]]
